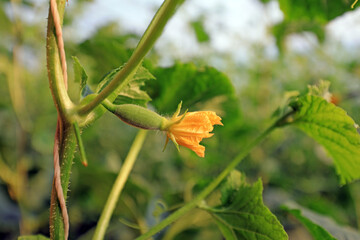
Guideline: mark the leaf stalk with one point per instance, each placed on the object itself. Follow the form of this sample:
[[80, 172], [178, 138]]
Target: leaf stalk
[[147, 41]]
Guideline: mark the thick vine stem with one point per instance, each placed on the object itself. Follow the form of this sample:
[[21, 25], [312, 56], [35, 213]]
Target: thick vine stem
[[67, 147], [147, 41], [64, 144], [57, 177], [54, 67], [60, 40]]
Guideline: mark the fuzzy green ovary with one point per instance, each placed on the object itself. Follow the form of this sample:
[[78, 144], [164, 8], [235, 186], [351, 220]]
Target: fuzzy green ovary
[[140, 117]]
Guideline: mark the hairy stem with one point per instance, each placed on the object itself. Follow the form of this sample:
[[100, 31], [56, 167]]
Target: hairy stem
[[54, 66], [67, 147], [57, 73], [210, 188], [119, 185], [59, 36], [147, 41], [57, 177]]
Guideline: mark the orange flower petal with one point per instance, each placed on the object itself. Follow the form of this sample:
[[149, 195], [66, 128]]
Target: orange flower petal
[[192, 128], [214, 119]]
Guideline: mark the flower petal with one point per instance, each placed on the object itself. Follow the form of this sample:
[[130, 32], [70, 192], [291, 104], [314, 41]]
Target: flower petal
[[189, 129], [214, 119]]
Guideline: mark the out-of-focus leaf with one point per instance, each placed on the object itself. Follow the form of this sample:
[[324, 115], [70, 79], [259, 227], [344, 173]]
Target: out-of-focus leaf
[[33, 237], [307, 15], [28, 3], [316, 231], [243, 214], [5, 24], [284, 106], [319, 226], [129, 224], [187, 83], [200, 32], [314, 10], [80, 76], [286, 28], [330, 126], [106, 50], [321, 90], [326, 207], [132, 92]]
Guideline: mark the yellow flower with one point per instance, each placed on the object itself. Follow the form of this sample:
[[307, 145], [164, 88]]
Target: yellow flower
[[190, 128]]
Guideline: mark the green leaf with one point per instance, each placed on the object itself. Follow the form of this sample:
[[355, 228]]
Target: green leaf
[[107, 79], [129, 224], [320, 226], [243, 214], [80, 76], [286, 28], [289, 96], [5, 23], [314, 10], [226, 231], [106, 49], [330, 126], [33, 237], [321, 90], [187, 83], [234, 182], [132, 92], [307, 15], [201, 35], [315, 230]]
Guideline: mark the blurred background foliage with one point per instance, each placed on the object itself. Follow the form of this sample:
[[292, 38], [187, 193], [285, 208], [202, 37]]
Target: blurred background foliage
[[291, 165]]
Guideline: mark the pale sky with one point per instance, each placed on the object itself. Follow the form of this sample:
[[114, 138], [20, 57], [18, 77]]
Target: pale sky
[[234, 25]]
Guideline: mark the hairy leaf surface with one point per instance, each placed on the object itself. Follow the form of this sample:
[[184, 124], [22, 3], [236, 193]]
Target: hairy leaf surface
[[243, 214], [307, 16], [330, 126], [132, 92], [80, 76]]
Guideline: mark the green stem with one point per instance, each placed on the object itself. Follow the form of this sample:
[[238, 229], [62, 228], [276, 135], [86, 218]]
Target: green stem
[[67, 139], [55, 73], [210, 188], [80, 144], [119, 185], [66, 154], [147, 41]]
